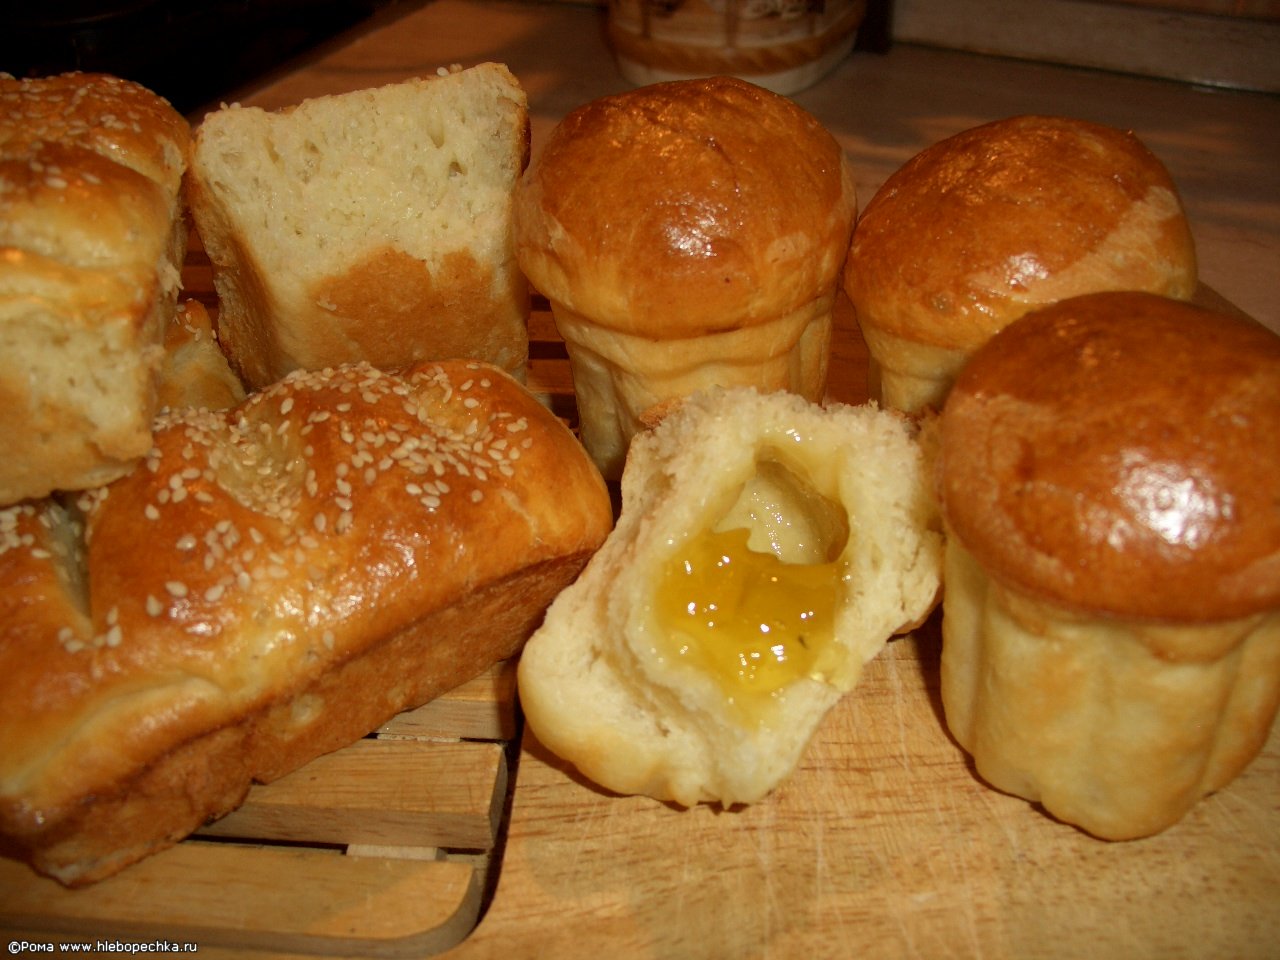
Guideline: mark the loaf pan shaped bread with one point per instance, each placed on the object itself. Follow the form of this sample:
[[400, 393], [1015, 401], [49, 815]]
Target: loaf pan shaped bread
[[275, 581], [370, 225], [91, 241]]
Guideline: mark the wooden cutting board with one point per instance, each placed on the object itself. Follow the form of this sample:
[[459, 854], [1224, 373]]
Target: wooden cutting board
[[884, 844], [452, 833]]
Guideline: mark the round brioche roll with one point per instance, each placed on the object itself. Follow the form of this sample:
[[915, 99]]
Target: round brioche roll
[[983, 226], [1111, 627], [275, 581], [829, 517], [687, 233]]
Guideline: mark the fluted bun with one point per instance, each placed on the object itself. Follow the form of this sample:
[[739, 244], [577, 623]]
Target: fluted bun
[[685, 208], [979, 228], [688, 234], [1116, 454]]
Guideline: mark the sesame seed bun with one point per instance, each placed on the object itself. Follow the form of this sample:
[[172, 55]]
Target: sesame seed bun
[[93, 235], [274, 581]]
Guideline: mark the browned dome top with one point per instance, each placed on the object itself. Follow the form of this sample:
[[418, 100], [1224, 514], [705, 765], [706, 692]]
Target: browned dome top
[[1120, 453], [682, 208]]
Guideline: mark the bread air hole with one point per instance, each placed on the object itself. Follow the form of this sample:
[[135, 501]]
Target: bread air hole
[[751, 601]]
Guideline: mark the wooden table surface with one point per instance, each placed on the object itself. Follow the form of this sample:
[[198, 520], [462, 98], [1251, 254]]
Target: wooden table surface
[[884, 843]]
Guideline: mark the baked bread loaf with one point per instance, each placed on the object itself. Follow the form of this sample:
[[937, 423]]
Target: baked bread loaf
[[195, 372], [373, 225], [91, 241], [339, 547], [979, 228], [686, 234], [766, 549], [1111, 627]]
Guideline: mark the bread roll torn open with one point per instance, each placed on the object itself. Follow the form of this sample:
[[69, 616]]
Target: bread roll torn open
[[766, 549]]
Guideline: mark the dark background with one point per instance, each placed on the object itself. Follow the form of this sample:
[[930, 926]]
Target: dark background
[[195, 52], [190, 51]]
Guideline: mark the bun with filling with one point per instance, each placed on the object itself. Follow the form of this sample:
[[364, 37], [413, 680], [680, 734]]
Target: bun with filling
[[766, 549]]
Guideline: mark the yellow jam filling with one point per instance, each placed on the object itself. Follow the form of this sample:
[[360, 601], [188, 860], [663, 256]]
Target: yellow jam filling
[[745, 617]]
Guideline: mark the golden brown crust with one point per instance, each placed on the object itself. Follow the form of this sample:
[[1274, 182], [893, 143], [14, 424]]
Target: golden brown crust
[[114, 118], [727, 205], [1114, 454], [275, 581], [980, 227]]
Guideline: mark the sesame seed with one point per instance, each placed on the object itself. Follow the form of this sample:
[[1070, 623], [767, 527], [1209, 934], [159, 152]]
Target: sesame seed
[[395, 444]]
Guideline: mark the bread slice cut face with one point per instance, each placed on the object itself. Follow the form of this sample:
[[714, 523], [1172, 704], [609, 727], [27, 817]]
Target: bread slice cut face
[[766, 549]]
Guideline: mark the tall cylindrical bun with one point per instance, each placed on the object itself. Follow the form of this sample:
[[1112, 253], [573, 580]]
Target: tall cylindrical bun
[[981, 227], [686, 233], [1111, 624]]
